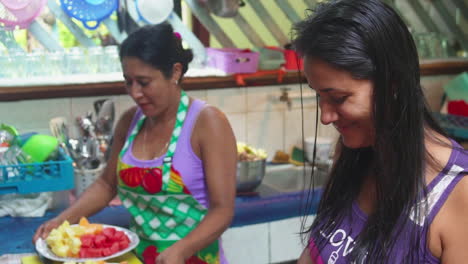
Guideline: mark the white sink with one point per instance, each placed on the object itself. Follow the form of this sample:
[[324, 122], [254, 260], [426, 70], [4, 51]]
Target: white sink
[[291, 178]]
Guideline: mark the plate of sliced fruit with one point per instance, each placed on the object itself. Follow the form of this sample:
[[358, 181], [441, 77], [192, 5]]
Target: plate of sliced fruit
[[86, 242]]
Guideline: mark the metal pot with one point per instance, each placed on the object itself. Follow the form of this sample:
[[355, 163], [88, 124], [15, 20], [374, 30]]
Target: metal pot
[[250, 174]]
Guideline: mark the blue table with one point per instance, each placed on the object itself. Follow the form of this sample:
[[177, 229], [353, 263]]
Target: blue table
[[16, 232]]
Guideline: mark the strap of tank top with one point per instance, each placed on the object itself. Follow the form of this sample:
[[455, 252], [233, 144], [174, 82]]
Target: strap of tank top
[[441, 187], [131, 136]]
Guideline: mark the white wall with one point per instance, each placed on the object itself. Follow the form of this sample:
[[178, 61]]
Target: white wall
[[256, 114]]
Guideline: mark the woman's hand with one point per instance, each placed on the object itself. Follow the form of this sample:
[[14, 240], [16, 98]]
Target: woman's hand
[[170, 256], [44, 229]]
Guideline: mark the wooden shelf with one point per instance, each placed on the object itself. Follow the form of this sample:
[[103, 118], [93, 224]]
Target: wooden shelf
[[13, 93]]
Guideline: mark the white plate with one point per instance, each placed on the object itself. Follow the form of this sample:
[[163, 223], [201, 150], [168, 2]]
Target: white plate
[[44, 250]]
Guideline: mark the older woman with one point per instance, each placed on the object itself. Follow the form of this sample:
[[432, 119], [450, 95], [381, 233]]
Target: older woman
[[173, 159]]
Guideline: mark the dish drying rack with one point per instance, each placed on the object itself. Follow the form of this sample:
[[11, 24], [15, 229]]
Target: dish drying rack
[[46, 176]]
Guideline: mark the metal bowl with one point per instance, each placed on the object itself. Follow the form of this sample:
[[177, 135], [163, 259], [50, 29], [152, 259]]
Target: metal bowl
[[250, 175]]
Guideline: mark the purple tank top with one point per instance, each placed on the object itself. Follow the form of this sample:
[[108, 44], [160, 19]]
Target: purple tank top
[[185, 160], [340, 242]]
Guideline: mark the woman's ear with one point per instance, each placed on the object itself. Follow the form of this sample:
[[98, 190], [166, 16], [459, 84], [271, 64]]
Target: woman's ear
[[176, 72]]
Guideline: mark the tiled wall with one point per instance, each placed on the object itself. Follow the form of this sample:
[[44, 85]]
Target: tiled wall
[[256, 114]]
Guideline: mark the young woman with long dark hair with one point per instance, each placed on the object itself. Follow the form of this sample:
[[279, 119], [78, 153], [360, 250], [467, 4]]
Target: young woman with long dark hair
[[396, 192]]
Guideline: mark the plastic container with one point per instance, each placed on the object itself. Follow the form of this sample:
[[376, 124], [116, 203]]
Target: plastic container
[[293, 62], [91, 12], [455, 126], [457, 88], [40, 147], [323, 148], [84, 178], [270, 59], [37, 177], [232, 60]]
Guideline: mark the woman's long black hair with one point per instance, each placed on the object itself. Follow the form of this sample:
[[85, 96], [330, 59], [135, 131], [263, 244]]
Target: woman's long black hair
[[368, 39]]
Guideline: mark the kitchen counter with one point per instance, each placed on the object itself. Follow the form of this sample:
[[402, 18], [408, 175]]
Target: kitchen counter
[[268, 205]]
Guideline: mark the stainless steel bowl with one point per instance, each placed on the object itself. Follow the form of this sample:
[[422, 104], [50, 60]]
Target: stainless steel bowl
[[250, 174]]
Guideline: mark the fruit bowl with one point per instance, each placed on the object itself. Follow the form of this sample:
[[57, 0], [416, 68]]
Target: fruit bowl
[[45, 251]]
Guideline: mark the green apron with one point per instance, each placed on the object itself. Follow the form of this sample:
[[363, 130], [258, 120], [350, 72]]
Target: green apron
[[162, 208]]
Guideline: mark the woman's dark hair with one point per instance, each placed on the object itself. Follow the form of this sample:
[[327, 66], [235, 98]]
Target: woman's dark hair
[[369, 40], [158, 46]]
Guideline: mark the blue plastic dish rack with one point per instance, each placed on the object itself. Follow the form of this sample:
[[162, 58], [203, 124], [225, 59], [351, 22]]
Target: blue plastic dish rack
[[46, 176], [456, 126]]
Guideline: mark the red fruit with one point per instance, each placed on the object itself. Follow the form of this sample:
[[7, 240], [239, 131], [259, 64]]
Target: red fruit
[[132, 176], [87, 241], [90, 252], [106, 252], [99, 240], [109, 232], [152, 182], [150, 254], [115, 247], [123, 245], [119, 235]]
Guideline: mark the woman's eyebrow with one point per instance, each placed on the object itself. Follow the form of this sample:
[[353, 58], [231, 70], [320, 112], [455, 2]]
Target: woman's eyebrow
[[324, 90]]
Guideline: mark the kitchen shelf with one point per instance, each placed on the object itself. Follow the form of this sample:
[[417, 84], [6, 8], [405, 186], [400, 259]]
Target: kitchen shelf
[[97, 85]]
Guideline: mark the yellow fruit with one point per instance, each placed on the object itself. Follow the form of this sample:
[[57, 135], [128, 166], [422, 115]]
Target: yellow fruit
[[64, 241], [61, 250]]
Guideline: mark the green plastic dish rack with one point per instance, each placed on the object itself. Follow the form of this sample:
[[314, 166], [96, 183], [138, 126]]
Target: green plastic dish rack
[[46, 176], [456, 126]]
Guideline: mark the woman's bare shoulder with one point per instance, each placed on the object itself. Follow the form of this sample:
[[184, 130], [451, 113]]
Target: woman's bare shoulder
[[211, 117]]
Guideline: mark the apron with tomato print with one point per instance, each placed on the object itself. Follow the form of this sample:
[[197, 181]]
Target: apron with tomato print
[[162, 208]]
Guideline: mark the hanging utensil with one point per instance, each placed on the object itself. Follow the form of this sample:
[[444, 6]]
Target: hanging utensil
[[86, 126], [19, 13], [105, 118], [154, 12], [97, 105], [59, 129], [89, 12], [125, 21]]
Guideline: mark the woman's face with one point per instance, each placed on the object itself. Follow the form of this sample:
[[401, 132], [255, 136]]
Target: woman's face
[[344, 102], [147, 86]]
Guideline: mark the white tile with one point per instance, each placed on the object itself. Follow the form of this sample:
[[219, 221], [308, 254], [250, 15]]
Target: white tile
[[298, 92], [285, 240], [266, 130], [198, 94], [228, 100], [247, 244], [124, 102], [433, 87], [264, 98], [293, 127], [239, 125], [267, 98], [34, 115], [80, 106]]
